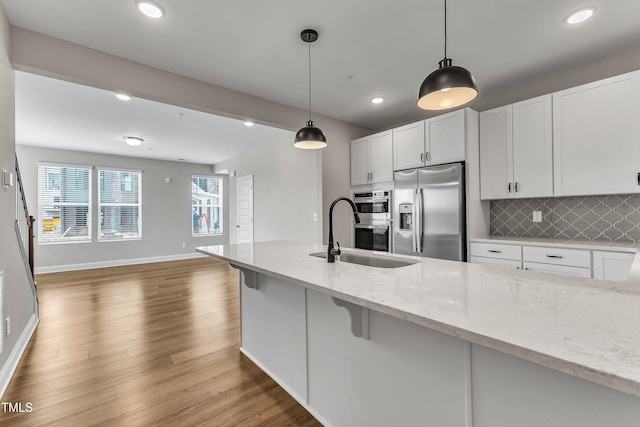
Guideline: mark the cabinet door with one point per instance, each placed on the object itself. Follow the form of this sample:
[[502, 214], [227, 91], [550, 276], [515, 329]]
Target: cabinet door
[[496, 157], [596, 137], [381, 157], [558, 269], [409, 146], [532, 148], [445, 138], [612, 265], [360, 161]]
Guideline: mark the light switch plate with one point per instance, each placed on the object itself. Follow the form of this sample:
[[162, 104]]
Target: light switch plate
[[7, 179], [537, 216]]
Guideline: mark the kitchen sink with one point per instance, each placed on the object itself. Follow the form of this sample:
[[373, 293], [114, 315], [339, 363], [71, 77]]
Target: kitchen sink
[[379, 261]]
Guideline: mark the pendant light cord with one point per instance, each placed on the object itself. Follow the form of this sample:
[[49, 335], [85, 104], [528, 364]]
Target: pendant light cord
[[309, 80], [445, 29]]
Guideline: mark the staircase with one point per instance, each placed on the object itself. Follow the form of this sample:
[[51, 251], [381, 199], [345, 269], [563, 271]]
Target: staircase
[[24, 230]]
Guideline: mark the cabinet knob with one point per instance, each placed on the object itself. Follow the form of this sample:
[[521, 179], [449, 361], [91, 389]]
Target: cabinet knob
[[516, 187], [422, 160], [509, 187]]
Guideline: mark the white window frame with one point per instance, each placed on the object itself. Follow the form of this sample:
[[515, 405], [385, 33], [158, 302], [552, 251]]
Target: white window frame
[[220, 207], [111, 204], [42, 238]]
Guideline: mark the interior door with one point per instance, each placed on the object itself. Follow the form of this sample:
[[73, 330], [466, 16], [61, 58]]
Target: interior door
[[244, 221]]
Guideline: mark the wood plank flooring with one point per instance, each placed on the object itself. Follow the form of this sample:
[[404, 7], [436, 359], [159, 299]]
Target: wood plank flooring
[[144, 345]]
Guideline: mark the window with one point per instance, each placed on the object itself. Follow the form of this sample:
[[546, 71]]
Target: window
[[206, 205], [64, 203], [119, 204]]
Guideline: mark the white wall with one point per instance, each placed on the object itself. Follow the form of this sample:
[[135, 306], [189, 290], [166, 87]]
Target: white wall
[[41, 54], [166, 211], [287, 191], [18, 296]]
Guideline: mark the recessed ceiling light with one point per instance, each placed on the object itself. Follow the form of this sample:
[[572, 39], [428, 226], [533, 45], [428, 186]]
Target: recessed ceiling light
[[580, 15], [150, 8], [248, 124], [123, 97], [133, 140], [377, 100]]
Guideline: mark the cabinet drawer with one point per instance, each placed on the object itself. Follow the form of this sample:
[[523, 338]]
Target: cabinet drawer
[[558, 256], [558, 269], [508, 263], [496, 250]]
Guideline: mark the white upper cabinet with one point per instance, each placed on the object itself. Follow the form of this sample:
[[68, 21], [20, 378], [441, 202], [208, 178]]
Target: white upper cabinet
[[496, 153], [516, 158], [532, 148], [434, 141], [372, 159], [408, 146], [445, 138], [596, 137]]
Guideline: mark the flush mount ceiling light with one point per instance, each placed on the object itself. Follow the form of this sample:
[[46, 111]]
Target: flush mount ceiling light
[[310, 137], [579, 15], [133, 140], [248, 124], [449, 86], [377, 100], [150, 8], [123, 97]]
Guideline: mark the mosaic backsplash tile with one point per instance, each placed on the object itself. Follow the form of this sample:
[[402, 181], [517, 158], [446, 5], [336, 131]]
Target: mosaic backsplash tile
[[613, 218]]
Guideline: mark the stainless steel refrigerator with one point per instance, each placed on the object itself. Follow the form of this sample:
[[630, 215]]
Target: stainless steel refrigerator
[[429, 212]]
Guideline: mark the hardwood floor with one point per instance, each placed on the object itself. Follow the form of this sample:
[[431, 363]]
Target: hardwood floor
[[153, 344]]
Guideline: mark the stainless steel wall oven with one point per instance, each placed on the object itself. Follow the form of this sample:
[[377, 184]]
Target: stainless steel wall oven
[[374, 231]]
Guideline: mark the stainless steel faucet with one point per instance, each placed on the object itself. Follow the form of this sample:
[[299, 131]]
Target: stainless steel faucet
[[331, 251]]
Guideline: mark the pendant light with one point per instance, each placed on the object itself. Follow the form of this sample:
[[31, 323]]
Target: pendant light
[[310, 137], [449, 86]]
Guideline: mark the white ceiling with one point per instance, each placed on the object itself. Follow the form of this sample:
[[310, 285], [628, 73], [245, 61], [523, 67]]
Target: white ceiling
[[516, 49], [58, 114]]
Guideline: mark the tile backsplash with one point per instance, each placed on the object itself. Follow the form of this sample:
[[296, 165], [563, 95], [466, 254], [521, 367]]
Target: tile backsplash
[[614, 218]]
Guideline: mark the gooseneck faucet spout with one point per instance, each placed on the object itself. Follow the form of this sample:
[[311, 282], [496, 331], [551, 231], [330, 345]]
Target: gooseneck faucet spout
[[331, 251]]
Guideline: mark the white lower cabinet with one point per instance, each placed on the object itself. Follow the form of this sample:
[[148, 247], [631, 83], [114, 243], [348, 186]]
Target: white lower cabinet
[[605, 265], [612, 265], [500, 254], [404, 375], [558, 269]]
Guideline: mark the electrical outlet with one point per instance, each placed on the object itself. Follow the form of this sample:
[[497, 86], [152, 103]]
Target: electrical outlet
[[537, 216], [184, 245], [315, 216], [8, 325]]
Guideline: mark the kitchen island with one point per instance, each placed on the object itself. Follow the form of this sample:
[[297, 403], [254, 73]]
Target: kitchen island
[[439, 343]]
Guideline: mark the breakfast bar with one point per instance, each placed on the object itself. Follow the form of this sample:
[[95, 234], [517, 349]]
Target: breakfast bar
[[438, 342]]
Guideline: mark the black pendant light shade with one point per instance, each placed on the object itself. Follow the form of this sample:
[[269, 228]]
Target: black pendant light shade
[[310, 137], [449, 86]]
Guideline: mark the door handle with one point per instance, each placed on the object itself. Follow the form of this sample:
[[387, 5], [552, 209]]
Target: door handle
[[428, 156], [516, 187], [420, 230], [422, 160], [509, 187], [555, 256], [494, 251]]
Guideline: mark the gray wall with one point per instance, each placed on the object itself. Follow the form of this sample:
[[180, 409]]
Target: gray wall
[[46, 55], [18, 297], [287, 190], [166, 211]]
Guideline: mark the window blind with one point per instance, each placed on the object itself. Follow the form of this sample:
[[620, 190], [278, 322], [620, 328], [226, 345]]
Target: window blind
[[206, 205], [64, 204], [119, 204]]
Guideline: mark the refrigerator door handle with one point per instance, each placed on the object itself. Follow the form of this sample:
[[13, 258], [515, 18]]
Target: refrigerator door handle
[[420, 224], [416, 221]]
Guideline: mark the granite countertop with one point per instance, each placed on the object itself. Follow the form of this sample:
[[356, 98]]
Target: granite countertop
[[585, 328]]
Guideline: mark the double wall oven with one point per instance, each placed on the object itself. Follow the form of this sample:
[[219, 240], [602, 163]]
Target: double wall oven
[[374, 231]]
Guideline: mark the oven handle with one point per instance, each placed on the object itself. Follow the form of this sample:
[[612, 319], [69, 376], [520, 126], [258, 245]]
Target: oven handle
[[373, 227]]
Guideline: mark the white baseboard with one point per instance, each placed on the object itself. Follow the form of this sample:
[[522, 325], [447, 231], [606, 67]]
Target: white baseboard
[[115, 263], [10, 366]]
